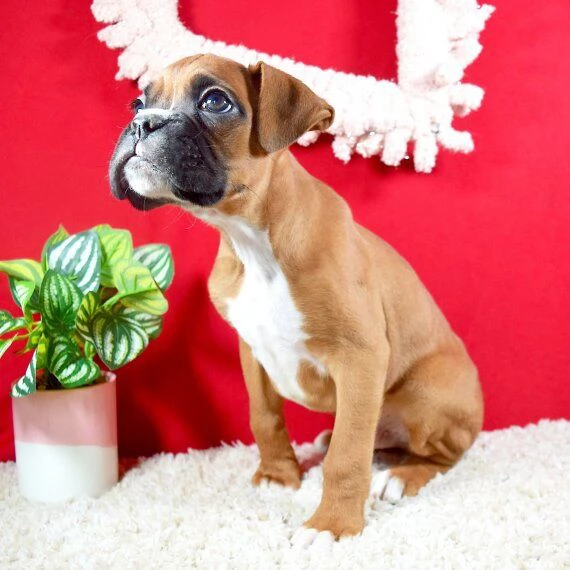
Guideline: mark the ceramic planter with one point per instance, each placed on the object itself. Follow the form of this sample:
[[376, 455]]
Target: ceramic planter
[[66, 442]]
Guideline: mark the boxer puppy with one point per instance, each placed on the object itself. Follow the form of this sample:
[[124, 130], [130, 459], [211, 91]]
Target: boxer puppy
[[328, 314]]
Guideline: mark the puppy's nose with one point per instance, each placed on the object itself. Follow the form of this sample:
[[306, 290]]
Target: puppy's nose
[[142, 125]]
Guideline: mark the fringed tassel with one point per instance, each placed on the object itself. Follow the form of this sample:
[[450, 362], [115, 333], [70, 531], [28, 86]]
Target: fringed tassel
[[437, 40]]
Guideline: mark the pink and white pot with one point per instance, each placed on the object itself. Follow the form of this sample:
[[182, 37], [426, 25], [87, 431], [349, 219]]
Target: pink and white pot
[[66, 442]]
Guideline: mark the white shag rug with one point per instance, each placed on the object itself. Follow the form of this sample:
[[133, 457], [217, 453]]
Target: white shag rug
[[506, 505]]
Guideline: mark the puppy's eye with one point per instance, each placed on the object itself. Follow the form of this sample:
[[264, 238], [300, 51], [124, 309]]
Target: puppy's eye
[[215, 101], [137, 105]]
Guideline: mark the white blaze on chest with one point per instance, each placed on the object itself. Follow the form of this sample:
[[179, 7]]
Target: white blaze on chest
[[263, 312]]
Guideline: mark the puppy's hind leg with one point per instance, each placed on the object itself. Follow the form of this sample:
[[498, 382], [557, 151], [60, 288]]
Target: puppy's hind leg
[[439, 408]]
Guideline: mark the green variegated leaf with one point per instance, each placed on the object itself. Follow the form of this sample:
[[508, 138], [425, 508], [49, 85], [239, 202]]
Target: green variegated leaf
[[151, 324], [25, 294], [117, 339], [137, 288], [116, 245], [5, 345], [23, 269], [85, 313], [78, 257], [60, 235], [66, 363], [27, 383], [22, 291], [60, 299], [158, 259], [89, 350], [8, 323]]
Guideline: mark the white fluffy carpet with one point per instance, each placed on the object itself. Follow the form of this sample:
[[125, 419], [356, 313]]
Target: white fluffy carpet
[[506, 505]]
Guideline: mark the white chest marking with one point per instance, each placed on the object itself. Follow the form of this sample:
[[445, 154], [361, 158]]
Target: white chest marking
[[263, 312]]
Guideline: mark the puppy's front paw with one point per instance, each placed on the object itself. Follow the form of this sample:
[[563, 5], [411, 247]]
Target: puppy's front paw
[[326, 526], [286, 473], [311, 538]]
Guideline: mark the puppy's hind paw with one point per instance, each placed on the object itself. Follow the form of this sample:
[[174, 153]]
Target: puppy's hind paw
[[387, 487]]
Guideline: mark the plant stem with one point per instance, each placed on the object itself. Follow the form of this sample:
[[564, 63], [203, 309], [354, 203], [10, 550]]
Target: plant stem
[[20, 337], [111, 301]]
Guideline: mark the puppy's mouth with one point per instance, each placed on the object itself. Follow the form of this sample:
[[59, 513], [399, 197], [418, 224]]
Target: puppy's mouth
[[143, 203], [167, 192]]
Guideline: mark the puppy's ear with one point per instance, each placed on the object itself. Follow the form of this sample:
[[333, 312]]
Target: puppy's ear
[[286, 108]]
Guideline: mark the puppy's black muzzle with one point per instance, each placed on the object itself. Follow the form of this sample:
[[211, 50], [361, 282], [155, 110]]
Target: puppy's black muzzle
[[179, 149]]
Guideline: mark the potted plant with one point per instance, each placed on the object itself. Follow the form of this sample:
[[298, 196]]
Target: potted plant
[[92, 302]]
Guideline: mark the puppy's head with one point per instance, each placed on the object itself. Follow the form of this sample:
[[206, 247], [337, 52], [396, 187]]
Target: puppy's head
[[201, 132]]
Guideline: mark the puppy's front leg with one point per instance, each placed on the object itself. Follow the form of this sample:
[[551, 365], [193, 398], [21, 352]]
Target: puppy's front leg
[[359, 380], [278, 462]]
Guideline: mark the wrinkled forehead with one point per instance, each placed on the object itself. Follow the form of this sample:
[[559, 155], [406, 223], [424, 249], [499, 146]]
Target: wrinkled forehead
[[188, 78]]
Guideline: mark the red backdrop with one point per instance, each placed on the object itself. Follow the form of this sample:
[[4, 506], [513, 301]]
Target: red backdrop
[[489, 232]]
